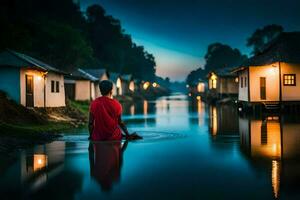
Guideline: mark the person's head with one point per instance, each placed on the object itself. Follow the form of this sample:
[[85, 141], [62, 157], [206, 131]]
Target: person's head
[[106, 88]]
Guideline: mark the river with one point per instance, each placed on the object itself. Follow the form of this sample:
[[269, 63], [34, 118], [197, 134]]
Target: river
[[190, 150]]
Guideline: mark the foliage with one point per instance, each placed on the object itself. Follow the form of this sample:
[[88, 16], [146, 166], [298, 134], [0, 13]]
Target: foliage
[[218, 56], [114, 48], [60, 34], [261, 37]]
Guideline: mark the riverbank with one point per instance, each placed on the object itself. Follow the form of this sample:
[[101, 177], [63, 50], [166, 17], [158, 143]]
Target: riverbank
[[23, 127]]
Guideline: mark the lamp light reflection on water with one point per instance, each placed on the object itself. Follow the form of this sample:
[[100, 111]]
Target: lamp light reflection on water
[[276, 178], [145, 107], [40, 161]]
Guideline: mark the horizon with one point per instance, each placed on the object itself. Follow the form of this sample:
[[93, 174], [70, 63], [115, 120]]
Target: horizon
[[179, 43]]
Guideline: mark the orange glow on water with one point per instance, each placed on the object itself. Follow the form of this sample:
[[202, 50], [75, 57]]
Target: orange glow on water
[[145, 106], [40, 161], [276, 178]]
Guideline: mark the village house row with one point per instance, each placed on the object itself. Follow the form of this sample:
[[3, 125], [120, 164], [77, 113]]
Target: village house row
[[33, 83], [271, 77]]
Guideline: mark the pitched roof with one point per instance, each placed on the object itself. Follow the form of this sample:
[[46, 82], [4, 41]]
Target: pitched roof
[[15, 59], [80, 74], [96, 73], [223, 72], [114, 77], [126, 77], [284, 48]]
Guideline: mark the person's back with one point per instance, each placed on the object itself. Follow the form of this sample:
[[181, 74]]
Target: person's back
[[105, 117], [106, 113]]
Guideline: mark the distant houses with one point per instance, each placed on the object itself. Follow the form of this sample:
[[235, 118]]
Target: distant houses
[[197, 87], [117, 84], [222, 83], [272, 76], [127, 84], [31, 82], [100, 75], [83, 85]]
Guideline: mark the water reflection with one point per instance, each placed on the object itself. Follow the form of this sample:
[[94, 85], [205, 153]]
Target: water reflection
[[273, 142], [221, 156], [106, 160], [223, 120]]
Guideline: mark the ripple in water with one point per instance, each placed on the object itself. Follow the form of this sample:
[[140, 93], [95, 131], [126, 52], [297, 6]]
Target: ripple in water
[[148, 136]]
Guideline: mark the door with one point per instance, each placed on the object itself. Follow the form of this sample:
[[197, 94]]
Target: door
[[29, 91], [263, 88], [70, 91]]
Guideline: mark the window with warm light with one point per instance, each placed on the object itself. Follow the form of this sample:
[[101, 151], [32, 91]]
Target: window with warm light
[[289, 79], [213, 82]]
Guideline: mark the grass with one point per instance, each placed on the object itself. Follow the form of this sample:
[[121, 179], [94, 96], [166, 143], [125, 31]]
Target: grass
[[82, 106]]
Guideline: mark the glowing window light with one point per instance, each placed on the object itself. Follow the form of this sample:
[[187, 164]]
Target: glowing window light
[[198, 98], [213, 81], [146, 85], [154, 85], [118, 84], [131, 86], [200, 87], [236, 79]]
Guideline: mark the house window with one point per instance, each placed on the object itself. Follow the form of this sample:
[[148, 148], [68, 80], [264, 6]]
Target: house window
[[52, 86], [289, 79], [241, 82], [57, 86], [245, 81]]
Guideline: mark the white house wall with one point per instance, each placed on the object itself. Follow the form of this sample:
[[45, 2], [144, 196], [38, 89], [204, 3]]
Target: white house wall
[[243, 91], [228, 86], [93, 95], [82, 90], [38, 87], [54, 99], [271, 72]]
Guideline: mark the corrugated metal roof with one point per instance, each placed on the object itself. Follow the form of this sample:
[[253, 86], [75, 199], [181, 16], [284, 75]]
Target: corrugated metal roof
[[16, 59], [95, 73]]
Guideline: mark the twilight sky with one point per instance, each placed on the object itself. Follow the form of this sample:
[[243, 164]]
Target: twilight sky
[[177, 32]]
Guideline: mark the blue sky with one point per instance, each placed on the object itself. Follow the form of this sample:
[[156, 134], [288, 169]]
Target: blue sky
[[178, 32]]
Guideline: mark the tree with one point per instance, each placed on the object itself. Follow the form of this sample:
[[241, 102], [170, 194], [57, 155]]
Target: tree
[[115, 49], [218, 56], [62, 46], [261, 37], [195, 75]]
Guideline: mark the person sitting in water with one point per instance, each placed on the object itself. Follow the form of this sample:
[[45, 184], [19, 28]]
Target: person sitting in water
[[105, 117]]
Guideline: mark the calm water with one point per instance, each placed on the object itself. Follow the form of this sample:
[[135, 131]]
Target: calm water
[[190, 151]]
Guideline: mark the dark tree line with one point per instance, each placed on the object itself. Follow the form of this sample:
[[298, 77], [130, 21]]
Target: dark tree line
[[218, 56], [59, 33], [221, 56]]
